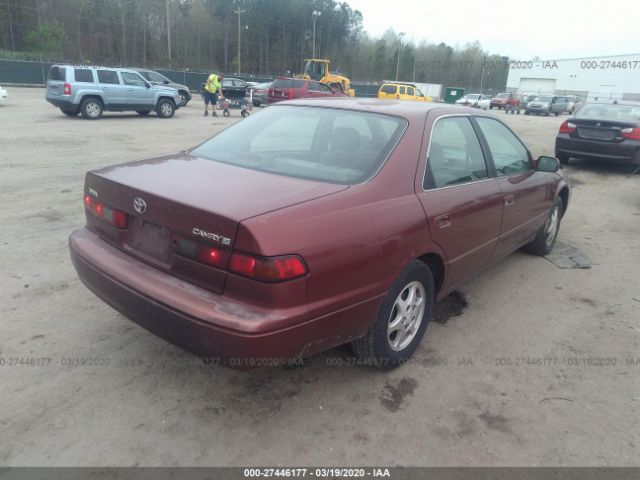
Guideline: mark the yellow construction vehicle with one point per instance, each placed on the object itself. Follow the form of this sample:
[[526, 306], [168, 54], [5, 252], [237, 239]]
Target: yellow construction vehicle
[[318, 69]]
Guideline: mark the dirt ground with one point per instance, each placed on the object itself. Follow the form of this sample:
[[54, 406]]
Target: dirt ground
[[541, 367]]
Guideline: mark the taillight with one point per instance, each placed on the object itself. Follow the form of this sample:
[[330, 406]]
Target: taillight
[[202, 253], [631, 133], [118, 218], [567, 127], [268, 269], [67, 89]]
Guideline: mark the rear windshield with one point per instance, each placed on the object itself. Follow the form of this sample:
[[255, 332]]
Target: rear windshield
[[322, 144], [503, 95], [624, 113], [287, 83], [390, 89], [57, 73], [83, 75]]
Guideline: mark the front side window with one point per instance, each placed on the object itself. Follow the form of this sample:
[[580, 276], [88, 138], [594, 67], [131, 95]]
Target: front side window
[[509, 154], [322, 144], [410, 91], [133, 80], [455, 156]]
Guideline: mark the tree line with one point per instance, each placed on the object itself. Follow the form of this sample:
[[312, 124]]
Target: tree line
[[273, 37]]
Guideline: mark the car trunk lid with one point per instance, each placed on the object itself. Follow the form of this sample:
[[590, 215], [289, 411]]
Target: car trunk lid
[[600, 130], [176, 205]]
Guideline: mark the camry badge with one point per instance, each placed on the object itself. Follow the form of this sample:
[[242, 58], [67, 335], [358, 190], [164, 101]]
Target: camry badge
[[139, 205]]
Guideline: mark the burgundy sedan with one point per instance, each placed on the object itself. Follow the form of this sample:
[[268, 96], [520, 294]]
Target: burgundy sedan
[[312, 224]]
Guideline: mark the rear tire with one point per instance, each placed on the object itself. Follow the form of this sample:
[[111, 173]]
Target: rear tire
[[546, 236], [143, 113], [165, 108], [401, 321], [91, 108], [563, 158], [70, 113]]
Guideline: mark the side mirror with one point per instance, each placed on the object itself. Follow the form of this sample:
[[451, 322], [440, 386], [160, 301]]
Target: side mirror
[[166, 82], [148, 85], [547, 164]]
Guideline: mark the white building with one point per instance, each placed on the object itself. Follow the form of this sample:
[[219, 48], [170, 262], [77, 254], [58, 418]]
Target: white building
[[593, 78]]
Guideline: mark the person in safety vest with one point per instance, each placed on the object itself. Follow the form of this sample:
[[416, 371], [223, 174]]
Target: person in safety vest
[[212, 89]]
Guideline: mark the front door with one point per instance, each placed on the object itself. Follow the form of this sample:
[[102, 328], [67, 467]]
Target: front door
[[139, 95], [526, 195], [462, 202]]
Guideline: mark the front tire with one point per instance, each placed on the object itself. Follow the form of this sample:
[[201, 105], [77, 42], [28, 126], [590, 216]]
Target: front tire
[[546, 236], [401, 321], [563, 158], [165, 108], [91, 108]]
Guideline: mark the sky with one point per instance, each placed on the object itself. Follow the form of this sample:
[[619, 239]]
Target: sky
[[550, 29]]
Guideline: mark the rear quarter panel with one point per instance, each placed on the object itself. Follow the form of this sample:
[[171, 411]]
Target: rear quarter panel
[[355, 242]]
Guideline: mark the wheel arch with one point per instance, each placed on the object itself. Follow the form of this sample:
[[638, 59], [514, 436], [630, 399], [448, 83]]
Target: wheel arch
[[564, 195], [436, 264], [92, 95]]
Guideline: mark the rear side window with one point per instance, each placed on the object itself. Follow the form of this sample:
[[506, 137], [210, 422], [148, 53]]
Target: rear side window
[[57, 73], [108, 76], [402, 90], [455, 156], [83, 75], [389, 89], [509, 154]]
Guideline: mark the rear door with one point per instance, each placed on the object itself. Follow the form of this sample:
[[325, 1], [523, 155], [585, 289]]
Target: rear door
[[462, 202], [139, 95], [114, 93], [526, 193]]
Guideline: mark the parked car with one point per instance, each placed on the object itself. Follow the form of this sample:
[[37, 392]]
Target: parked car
[[3, 95], [525, 99], [607, 132], [290, 88], [260, 94], [91, 91], [401, 91], [331, 222], [234, 88], [502, 100], [156, 78], [544, 105], [568, 104], [475, 100]]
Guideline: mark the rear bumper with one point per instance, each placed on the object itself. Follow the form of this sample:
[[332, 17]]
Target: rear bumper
[[62, 102], [624, 152], [198, 320]]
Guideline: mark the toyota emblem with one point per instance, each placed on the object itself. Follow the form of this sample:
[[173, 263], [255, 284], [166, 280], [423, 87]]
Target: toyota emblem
[[139, 205]]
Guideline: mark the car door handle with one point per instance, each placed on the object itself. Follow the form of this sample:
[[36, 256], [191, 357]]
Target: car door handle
[[443, 221], [509, 200]]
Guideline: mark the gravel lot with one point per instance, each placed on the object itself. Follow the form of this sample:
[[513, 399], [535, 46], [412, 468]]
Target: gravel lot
[[540, 368]]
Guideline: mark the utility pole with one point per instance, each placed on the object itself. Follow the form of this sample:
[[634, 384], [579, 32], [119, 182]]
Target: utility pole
[[401, 34], [239, 12], [316, 14], [168, 32]]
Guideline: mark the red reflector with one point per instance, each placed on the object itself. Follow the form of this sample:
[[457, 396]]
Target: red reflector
[[211, 256], [268, 269], [631, 133], [67, 89], [567, 127], [119, 218]]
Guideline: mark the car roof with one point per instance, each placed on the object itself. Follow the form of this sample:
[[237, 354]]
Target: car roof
[[408, 110]]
